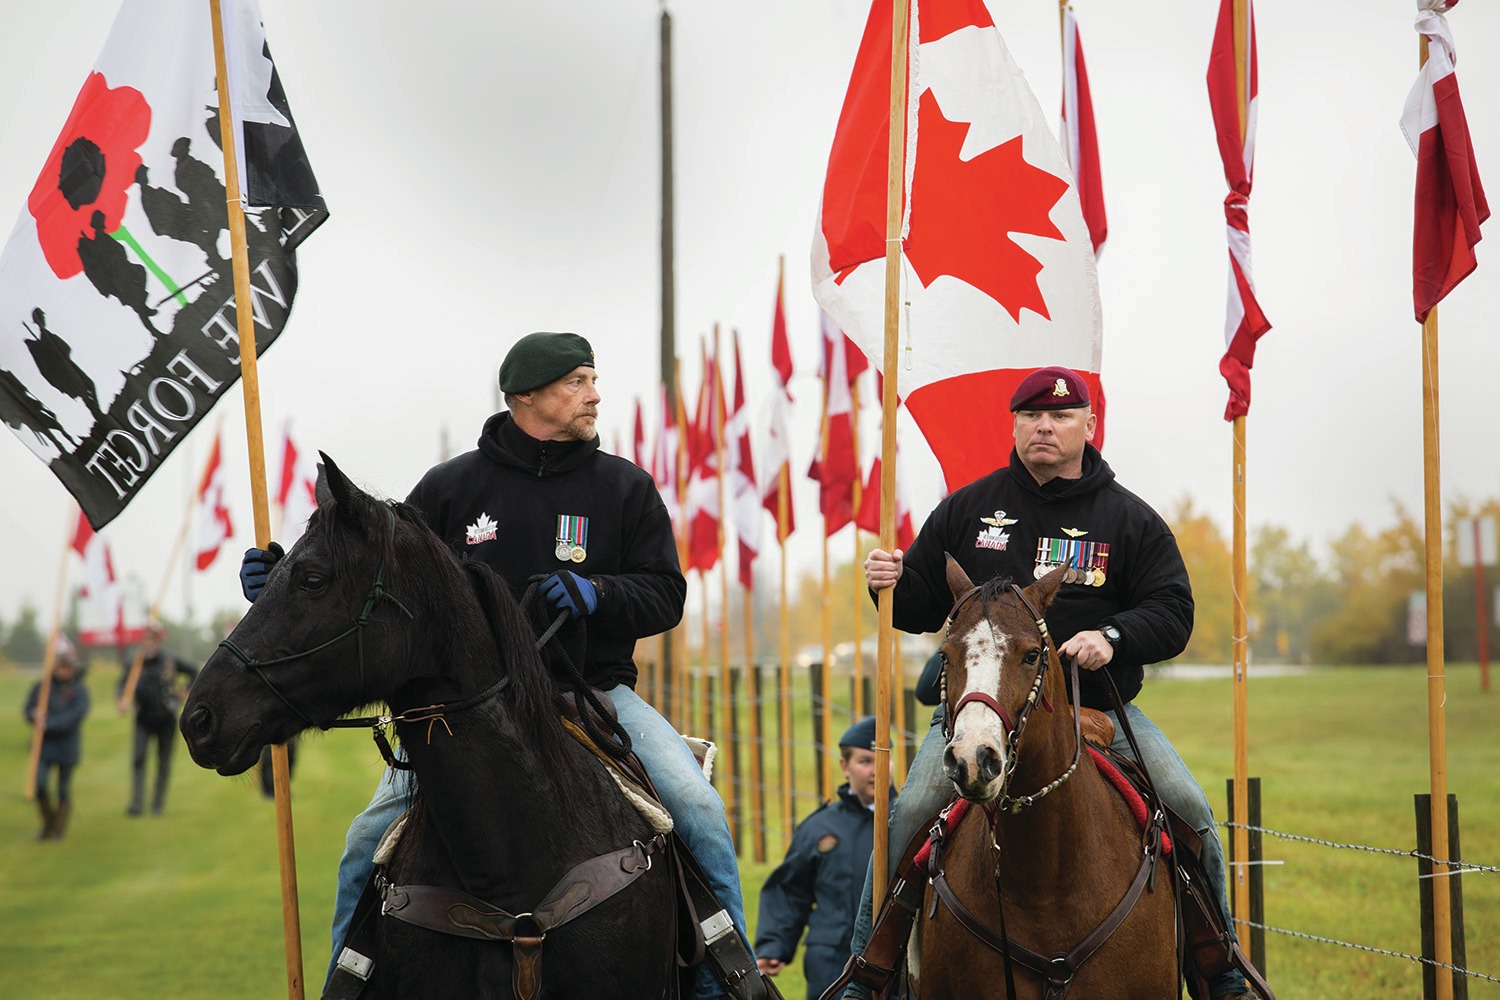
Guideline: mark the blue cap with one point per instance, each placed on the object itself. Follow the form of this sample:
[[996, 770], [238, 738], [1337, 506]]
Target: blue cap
[[861, 734]]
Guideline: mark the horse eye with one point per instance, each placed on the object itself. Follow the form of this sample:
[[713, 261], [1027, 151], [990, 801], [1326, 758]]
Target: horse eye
[[1032, 656], [313, 581]]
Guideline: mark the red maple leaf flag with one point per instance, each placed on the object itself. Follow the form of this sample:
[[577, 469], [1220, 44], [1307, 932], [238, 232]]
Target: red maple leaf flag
[[638, 437], [1080, 140], [296, 492], [101, 610], [868, 517], [778, 439], [703, 477], [999, 267], [214, 526], [1450, 204], [744, 497], [664, 459], [1244, 323], [836, 467]]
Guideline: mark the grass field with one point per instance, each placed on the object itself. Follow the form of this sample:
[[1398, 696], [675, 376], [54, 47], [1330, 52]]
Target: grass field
[[188, 904]]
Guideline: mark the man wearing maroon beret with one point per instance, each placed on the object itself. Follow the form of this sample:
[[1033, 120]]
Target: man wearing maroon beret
[[1125, 600]]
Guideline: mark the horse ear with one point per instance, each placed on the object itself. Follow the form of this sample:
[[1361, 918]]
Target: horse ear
[[1044, 590], [958, 580], [333, 490]]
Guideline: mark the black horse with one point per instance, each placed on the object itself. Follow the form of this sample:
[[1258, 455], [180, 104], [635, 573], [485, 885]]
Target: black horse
[[370, 606]]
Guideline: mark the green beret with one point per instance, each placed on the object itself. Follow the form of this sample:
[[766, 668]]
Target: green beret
[[539, 358]]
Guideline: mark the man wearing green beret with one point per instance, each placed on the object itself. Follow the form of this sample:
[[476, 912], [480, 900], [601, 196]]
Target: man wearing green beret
[[537, 497]]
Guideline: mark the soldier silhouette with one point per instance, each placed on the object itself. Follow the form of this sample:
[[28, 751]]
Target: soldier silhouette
[[19, 408], [172, 217], [108, 267], [54, 359]]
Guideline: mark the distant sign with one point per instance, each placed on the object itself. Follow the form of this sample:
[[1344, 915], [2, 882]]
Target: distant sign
[[1416, 618], [1476, 529]]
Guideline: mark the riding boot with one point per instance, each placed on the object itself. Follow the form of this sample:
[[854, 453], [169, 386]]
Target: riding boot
[[49, 817], [60, 825], [159, 792]]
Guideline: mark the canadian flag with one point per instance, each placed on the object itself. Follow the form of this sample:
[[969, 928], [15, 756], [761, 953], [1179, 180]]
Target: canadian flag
[[1244, 323], [1080, 140], [744, 497], [214, 526], [703, 471], [836, 467], [102, 608], [638, 437], [296, 493], [868, 517], [997, 263], [1450, 204], [778, 452], [664, 459]]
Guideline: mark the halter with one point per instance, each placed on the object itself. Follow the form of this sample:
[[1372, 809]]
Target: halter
[[1034, 697]]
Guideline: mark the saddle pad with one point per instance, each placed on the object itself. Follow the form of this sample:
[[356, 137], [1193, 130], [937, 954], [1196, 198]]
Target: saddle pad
[[1129, 793]]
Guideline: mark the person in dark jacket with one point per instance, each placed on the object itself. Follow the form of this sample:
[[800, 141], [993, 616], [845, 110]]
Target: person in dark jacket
[[817, 885], [62, 739], [537, 497], [1125, 600], [157, 698]]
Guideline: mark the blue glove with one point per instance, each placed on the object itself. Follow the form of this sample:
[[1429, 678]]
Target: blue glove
[[571, 592], [256, 568]]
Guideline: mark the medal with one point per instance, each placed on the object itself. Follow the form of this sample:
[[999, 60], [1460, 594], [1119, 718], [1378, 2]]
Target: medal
[[1098, 577], [1041, 571], [1088, 578], [572, 538]]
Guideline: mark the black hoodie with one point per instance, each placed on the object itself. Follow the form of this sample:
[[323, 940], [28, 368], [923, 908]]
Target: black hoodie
[[502, 503], [1006, 525]]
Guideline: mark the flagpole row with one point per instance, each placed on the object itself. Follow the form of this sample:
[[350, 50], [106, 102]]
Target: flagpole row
[[255, 446]]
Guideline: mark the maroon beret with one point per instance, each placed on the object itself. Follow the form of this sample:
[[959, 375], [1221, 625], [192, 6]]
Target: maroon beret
[[1051, 388]]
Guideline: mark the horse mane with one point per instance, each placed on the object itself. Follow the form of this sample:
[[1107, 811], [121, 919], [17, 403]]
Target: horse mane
[[532, 692]]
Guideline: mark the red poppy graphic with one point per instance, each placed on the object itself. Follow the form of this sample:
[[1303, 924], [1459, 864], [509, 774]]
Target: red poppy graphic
[[90, 169]]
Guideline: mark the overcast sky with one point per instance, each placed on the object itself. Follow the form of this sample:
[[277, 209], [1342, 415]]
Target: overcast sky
[[493, 169]]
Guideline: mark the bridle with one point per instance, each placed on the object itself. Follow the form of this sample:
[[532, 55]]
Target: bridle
[[1014, 730]]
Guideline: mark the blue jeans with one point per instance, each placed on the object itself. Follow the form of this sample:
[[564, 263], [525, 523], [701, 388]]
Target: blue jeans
[[695, 806], [927, 790]]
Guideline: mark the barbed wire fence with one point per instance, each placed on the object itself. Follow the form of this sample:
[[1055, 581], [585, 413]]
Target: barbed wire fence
[[1455, 867]]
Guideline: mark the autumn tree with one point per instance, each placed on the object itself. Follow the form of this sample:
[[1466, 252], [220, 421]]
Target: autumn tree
[[1292, 594], [1375, 575], [1206, 553]]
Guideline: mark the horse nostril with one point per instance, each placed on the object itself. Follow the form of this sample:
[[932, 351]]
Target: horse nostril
[[954, 768], [989, 763], [198, 725]]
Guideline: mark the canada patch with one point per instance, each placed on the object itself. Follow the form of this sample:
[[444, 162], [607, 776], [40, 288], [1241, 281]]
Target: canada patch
[[827, 843], [482, 530]]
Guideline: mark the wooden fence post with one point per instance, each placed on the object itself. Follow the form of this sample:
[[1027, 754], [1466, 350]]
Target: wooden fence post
[[1455, 898]]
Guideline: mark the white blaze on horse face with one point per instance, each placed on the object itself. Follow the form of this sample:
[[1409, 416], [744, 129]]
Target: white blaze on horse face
[[977, 726]]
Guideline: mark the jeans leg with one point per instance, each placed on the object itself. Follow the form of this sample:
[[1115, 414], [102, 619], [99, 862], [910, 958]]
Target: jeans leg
[[926, 791], [1182, 793], [696, 809], [360, 842]]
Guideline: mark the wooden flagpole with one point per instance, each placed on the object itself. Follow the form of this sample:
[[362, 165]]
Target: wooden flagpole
[[858, 591], [682, 702], [1239, 575], [752, 690], [824, 708], [1437, 725], [895, 185], [49, 659], [726, 701], [255, 445], [784, 674]]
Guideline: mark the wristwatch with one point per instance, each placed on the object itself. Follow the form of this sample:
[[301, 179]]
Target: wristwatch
[[1111, 634]]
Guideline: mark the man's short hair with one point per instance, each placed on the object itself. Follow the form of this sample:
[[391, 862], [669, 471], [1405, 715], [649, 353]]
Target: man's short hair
[[539, 358], [1051, 388]]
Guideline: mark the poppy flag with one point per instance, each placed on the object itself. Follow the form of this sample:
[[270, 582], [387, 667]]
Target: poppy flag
[[117, 316], [997, 264], [1450, 202], [1244, 322]]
